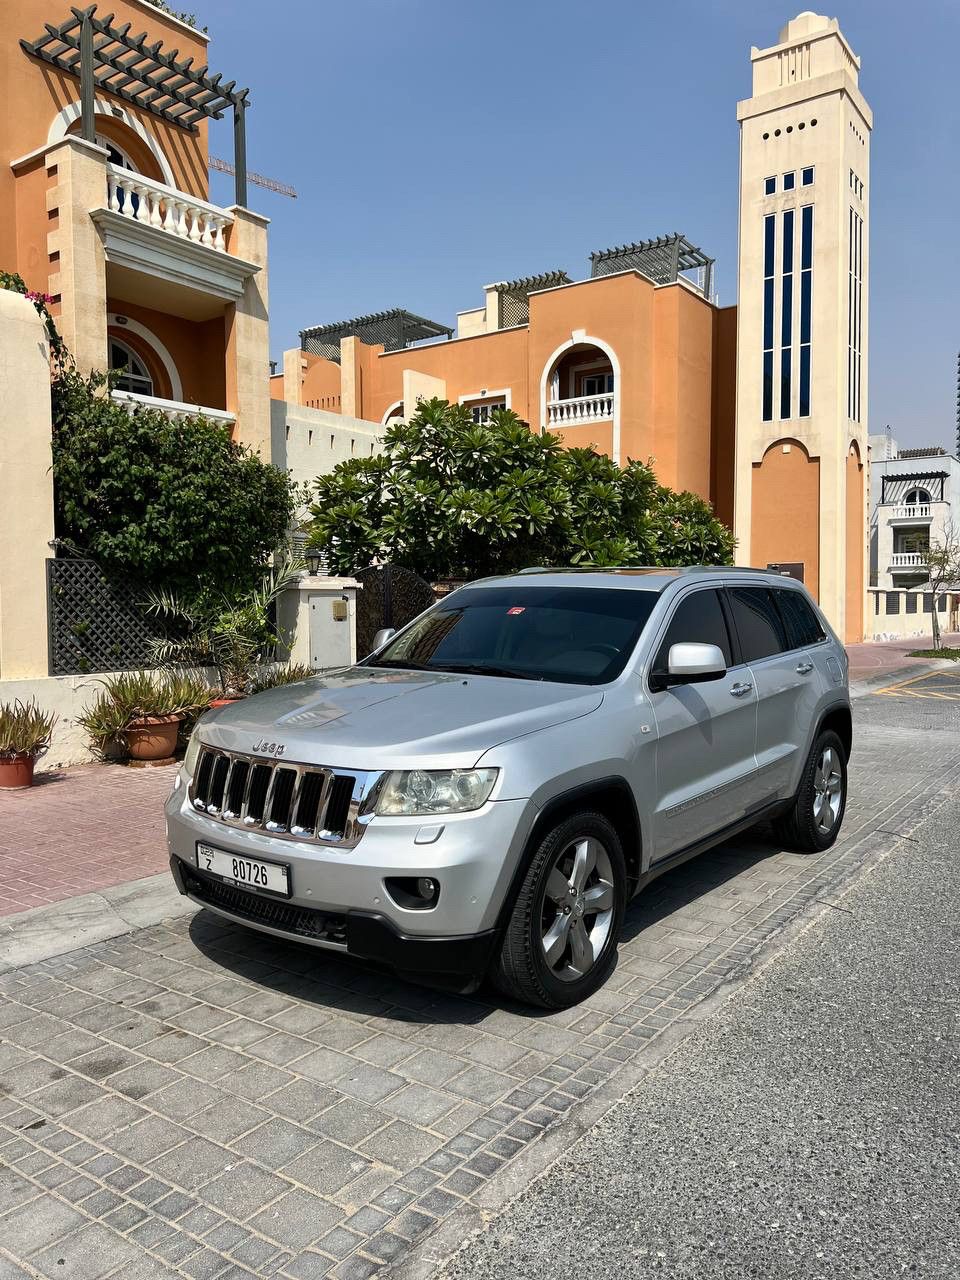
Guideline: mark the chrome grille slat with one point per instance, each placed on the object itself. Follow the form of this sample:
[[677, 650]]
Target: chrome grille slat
[[318, 803]]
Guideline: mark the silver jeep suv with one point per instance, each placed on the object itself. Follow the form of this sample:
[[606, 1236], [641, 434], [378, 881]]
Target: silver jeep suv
[[486, 791]]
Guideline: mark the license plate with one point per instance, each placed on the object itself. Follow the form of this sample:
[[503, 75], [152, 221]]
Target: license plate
[[248, 873]]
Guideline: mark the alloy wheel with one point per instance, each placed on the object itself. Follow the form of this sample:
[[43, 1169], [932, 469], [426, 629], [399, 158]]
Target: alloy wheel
[[827, 791], [577, 911]]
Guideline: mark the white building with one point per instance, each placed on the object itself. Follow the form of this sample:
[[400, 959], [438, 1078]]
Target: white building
[[914, 503]]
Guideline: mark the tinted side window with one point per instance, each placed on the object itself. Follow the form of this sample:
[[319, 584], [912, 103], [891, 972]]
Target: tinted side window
[[698, 619], [803, 625], [758, 622]]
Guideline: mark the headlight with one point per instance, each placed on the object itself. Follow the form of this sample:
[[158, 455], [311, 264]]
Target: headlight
[[190, 758], [427, 791]]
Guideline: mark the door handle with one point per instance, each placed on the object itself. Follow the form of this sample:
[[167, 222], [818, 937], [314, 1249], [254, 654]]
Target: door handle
[[738, 690], [804, 668]]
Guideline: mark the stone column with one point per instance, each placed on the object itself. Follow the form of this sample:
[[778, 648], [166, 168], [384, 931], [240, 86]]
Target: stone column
[[26, 489], [79, 184], [248, 336]]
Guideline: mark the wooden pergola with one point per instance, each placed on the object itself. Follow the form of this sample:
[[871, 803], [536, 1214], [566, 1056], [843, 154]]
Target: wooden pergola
[[111, 59]]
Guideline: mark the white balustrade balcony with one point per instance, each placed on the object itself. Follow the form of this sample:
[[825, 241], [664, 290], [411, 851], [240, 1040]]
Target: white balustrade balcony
[[908, 560], [572, 412], [165, 235], [911, 511], [172, 408], [157, 205]]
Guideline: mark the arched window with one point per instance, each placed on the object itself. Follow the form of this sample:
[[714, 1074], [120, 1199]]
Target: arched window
[[916, 496], [134, 375], [115, 154]]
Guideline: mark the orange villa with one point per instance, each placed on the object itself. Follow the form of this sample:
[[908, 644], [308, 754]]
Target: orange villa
[[636, 360]]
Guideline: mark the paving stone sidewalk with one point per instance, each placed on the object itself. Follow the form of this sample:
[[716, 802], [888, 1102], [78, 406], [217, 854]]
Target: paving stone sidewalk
[[79, 830], [197, 1100]]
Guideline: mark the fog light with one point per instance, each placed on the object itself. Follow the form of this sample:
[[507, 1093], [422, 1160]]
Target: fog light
[[413, 893], [427, 888]]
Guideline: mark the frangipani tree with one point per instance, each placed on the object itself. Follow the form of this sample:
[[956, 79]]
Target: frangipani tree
[[449, 497]]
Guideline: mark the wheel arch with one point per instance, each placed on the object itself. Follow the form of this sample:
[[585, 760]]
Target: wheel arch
[[613, 798], [840, 720]]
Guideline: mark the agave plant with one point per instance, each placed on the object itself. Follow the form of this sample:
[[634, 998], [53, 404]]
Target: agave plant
[[25, 730], [288, 673], [234, 634], [137, 695]]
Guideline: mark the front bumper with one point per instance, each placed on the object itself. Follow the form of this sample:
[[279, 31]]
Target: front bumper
[[339, 895], [455, 962]]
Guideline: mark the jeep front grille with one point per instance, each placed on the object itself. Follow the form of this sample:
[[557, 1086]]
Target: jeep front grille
[[295, 801]]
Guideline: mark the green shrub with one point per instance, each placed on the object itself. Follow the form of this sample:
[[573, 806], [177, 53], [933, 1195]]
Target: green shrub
[[24, 729], [172, 503], [451, 498]]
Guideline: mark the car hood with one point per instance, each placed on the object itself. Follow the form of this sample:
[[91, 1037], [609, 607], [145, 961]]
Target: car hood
[[377, 718]]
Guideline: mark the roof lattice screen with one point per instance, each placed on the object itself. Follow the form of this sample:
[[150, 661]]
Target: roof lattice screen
[[515, 295], [142, 73], [394, 330], [661, 260]]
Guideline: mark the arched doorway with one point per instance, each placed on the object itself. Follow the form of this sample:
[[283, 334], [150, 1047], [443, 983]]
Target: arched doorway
[[580, 395]]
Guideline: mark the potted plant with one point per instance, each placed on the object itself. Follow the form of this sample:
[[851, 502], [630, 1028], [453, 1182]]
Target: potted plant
[[25, 733], [140, 714], [235, 634]]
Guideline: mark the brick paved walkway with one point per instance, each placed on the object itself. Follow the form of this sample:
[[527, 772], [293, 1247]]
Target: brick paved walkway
[[79, 830], [197, 1100]]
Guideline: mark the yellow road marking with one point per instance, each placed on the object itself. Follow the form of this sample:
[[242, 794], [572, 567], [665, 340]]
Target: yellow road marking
[[905, 689]]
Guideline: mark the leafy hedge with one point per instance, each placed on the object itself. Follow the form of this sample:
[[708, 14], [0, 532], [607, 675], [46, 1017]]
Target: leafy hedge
[[173, 501], [451, 498]]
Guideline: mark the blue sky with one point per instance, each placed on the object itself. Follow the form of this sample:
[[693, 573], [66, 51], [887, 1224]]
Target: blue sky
[[437, 145]]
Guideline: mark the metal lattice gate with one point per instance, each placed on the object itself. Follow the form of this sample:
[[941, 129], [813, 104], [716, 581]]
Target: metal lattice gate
[[391, 597], [96, 623]]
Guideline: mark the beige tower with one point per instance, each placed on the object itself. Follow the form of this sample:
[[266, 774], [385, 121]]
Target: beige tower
[[802, 316]]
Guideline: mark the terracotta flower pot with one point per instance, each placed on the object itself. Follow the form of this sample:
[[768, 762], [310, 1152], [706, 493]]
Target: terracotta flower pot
[[222, 702], [153, 737], [17, 771]]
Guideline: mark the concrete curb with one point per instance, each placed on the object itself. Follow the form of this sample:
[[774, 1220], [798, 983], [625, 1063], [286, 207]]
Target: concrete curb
[[54, 930], [457, 1231], [919, 666]]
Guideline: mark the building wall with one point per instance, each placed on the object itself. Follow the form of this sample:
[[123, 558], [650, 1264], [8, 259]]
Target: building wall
[[311, 442], [785, 499], [666, 345], [856, 537], [806, 110]]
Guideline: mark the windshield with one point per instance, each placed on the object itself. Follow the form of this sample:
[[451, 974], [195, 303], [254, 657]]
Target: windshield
[[571, 635]]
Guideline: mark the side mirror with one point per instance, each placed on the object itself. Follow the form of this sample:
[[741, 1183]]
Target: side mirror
[[691, 664], [382, 636]]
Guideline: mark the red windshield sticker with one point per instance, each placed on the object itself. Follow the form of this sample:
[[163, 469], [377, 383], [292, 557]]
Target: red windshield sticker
[[517, 608]]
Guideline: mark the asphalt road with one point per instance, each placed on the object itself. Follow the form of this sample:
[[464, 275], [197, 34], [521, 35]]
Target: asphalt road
[[810, 1129]]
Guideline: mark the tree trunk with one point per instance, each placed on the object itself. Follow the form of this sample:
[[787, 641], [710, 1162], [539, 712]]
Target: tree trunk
[[936, 622]]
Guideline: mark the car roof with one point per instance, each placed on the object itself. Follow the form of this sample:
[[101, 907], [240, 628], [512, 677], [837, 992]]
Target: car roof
[[639, 577]]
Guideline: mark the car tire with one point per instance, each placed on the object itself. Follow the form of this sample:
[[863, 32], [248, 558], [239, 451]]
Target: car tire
[[813, 821], [556, 950]]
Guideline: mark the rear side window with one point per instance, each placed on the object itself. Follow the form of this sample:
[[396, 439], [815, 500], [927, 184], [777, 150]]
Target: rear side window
[[697, 619], [803, 625], [758, 623]]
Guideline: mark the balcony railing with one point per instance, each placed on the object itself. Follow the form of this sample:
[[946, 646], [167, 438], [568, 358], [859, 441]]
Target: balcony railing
[[911, 511], [580, 409], [173, 408], [908, 560], [157, 205]]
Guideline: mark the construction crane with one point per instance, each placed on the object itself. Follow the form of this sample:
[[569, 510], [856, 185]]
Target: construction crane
[[271, 184]]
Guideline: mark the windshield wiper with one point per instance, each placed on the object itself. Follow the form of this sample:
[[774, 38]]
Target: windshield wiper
[[482, 669]]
